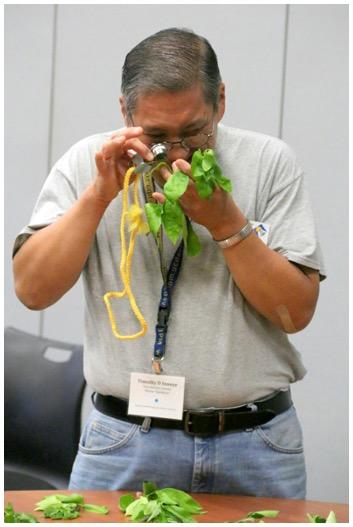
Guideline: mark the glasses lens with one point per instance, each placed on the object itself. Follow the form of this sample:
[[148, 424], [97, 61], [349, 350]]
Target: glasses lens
[[196, 141]]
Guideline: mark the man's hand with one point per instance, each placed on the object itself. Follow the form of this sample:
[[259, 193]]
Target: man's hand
[[219, 214], [113, 161]]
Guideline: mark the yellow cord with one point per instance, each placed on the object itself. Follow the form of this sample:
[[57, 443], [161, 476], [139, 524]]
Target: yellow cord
[[137, 226]]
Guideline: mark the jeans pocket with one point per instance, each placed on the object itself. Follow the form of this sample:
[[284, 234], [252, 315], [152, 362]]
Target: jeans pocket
[[283, 433], [105, 434]]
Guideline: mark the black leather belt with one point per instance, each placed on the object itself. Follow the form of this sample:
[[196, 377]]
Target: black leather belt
[[204, 422]]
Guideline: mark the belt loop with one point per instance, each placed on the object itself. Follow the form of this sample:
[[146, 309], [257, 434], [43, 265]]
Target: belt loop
[[252, 407], [221, 421], [146, 425]]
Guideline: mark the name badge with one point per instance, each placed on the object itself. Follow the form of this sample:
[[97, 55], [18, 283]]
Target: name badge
[[261, 230], [156, 395]]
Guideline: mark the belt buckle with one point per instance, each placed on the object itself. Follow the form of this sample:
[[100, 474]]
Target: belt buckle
[[187, 422]]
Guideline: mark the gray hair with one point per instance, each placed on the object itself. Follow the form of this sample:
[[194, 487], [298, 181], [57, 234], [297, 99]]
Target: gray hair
[[173, 59]]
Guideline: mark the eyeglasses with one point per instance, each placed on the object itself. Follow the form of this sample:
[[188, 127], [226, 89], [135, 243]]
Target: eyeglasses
[[192, 142]]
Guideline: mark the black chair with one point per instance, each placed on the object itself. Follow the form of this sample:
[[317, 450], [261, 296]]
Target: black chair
[[44, 387]]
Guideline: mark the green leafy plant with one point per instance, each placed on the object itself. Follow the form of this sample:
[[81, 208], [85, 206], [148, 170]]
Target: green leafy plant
[[315, 518], [257, 516], [166, 505], [207, 176], [10, 516], [207, 173], [66, 506]]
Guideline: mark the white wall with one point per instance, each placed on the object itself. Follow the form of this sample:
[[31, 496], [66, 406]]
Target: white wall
[[285, 70]]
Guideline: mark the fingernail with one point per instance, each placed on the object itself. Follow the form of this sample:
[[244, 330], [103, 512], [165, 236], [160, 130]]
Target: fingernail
[[150, 156]]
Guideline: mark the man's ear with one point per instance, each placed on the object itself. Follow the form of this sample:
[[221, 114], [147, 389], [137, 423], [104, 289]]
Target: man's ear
[[221, 102], [123, 109]]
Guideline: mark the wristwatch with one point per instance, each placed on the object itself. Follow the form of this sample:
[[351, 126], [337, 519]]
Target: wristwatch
[[235, 238]]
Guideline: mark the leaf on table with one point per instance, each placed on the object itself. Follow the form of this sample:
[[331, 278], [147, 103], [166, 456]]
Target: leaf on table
[[183, 499], [60, 511], [125, 501], [263, 514], [10, 516], [315, 518], [99, 509], [331, 518], [148, 488]]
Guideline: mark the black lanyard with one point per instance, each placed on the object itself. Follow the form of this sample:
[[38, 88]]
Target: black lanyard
[[169, 280], [164, 308]]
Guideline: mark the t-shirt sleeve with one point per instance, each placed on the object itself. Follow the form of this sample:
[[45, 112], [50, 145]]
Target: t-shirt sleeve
[[289, 216], [57, 196]]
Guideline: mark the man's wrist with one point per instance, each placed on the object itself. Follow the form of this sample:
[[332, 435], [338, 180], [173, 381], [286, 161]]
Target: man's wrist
[[235, 238], [92, 196], [227, 227]]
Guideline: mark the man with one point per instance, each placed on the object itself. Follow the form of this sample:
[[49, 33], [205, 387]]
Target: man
[[232, 306]]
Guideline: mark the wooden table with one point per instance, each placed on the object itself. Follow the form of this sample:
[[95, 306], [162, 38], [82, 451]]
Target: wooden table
[[220, 508]]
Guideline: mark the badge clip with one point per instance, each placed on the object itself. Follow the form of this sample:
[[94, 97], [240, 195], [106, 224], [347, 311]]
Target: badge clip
[[156, 365]]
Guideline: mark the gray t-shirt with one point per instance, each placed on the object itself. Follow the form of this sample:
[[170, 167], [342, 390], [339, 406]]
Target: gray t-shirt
[[229, 353]]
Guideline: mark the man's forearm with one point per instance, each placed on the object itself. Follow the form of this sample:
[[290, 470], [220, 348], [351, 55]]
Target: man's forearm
[[275, 287], [51, 260]]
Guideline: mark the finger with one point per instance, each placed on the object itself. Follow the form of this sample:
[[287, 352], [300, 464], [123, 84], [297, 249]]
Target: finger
[[160, 198], [140, 148], [113, 148], [100, 162], [131, 131], [184, 166], [165, 173]]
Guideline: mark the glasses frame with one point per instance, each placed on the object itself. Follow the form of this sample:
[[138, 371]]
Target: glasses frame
[[171, 144]]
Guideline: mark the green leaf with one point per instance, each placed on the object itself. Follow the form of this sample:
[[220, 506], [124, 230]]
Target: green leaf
[[22, 517], [185, 230], [154, 213], [10, 516], [138, 516], [315, 518], [148, 488], [207, 173], [208, 160], [193, 245], [99, 509], [331, 518], [176, 185], [198, 173], [125, 501], [155, 511], [161, 506], [61, 511], [196, 160], [172, 220], [263, 514], [46, 501], [224, 183], [183, 500], [180, 514], [204, 189], [70, 498], [136, 506]]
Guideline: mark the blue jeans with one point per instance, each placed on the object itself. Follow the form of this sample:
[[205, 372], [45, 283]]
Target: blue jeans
[[264, 461]]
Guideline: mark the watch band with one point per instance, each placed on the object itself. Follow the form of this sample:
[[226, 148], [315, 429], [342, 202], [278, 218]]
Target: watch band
[[235, 238]]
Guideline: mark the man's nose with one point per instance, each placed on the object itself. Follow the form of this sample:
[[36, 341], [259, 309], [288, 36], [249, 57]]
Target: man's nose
[[178, 152]]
